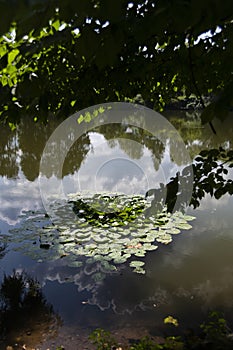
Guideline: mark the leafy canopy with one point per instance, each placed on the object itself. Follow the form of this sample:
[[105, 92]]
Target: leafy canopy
[[57, 57]]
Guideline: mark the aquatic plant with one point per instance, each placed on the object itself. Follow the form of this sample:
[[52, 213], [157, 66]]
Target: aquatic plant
[[215, 335], [103, 340], [108, 229]]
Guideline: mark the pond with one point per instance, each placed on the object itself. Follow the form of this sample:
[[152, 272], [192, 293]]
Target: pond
[[183, 276]]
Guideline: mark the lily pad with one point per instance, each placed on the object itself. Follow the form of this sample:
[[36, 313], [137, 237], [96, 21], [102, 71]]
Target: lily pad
[[164, 238], [140, 254], [136, 263], [184, 226], [111, 228], [139, 270], [173, 231], [120, 260]]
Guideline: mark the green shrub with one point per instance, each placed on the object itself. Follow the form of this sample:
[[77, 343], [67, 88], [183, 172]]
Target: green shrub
[[216, 335], [103, 340]]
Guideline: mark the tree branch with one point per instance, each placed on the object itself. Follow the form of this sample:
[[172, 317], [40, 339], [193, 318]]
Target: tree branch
[[196, 86]]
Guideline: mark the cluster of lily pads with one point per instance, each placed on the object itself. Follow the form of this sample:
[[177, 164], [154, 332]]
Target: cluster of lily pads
[[109, 229]]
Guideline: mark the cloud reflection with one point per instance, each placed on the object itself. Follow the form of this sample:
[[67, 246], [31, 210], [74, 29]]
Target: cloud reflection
[[16, 196]]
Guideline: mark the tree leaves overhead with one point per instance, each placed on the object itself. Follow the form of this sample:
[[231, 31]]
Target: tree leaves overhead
[[57, 57]]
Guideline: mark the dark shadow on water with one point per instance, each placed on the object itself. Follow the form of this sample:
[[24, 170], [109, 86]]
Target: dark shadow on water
[[25, 316], [3, 249]]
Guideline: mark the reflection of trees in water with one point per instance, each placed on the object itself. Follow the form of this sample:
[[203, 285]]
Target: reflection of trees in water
[[134, 152], [23, 149], [3, 247], [76, 155], [142, 138], [32, 138], [8, 153], [210, 176], [197, 136], [32, 141], [24, 310]]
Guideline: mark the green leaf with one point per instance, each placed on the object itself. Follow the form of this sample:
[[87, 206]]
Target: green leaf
[[136, 263], [184, 226], [56, 24], [12, 126], [171, 320], [11, 56]]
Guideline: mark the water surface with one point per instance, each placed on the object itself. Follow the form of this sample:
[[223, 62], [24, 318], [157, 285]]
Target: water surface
[[185, 278]]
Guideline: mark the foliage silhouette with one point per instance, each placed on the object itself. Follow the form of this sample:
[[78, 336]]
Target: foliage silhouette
[[23, 307], [210, 170]]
